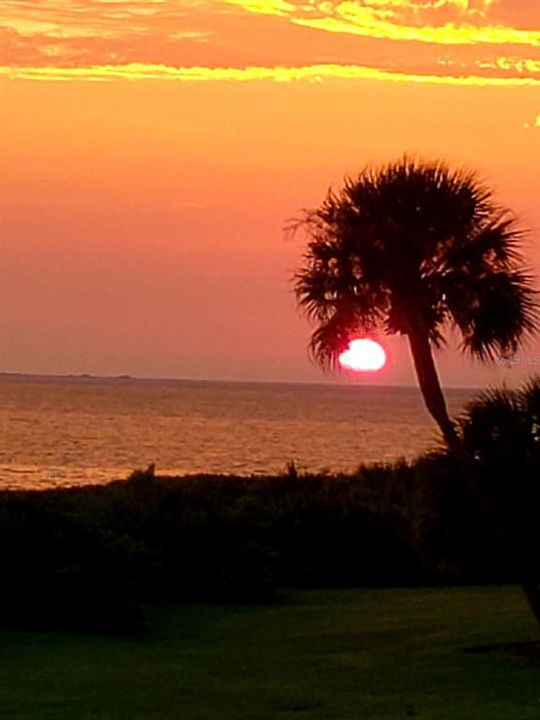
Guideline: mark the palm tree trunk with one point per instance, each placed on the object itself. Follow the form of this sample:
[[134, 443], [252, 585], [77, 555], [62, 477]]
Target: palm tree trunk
[[434, 400]]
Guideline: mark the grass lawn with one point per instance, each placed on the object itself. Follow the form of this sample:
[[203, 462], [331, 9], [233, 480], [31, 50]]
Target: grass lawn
[[340, 655]]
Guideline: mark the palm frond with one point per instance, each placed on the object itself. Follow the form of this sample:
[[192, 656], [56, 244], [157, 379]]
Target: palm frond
[[500, 428], [495, 312], [487, 420], [530, 401], [497, 242], [331, 338], [417, 242]]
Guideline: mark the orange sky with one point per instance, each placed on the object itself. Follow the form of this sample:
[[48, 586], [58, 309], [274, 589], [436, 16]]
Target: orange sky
[[153, 150]]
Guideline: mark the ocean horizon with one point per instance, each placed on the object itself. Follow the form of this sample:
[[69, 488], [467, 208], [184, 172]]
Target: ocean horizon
[[61, 430], [341, 382]]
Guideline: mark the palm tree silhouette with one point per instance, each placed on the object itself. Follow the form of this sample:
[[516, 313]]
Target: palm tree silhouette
[[417, 248]]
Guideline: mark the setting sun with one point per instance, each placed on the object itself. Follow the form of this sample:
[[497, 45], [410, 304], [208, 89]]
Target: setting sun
[[363, 355]]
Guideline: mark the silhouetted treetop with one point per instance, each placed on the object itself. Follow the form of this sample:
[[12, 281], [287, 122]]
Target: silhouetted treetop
[[415, 245]]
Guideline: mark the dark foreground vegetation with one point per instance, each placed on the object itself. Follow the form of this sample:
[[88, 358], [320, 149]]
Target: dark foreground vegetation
[[94, 557], [431, 654]]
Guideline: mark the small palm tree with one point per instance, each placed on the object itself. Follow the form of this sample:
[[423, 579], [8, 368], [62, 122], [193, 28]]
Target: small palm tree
[[500, 429], [416, 248]]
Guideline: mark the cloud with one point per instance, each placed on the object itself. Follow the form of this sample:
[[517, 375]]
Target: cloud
[[118, 21], [523, 66], [469, 41], [533, 124], [314, 73], [349, 18], [444, 22]]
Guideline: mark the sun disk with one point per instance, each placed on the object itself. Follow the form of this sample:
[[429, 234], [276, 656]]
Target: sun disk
[[363, 355]]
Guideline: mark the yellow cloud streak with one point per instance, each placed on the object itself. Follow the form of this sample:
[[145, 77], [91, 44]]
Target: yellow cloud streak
[[448, 34], [266, 7], [521, 65], [313, 73], [462, 5], [366, 20]]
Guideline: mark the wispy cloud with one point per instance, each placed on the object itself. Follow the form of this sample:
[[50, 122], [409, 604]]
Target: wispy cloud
[[534, 124], [485, 42], [314, 73], [523, 66], [350, 18], [444, 22]]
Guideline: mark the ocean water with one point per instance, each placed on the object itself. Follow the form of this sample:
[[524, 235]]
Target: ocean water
[[59, 431]]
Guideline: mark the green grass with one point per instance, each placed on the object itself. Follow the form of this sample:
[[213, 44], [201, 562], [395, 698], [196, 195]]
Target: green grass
[[340, 655]]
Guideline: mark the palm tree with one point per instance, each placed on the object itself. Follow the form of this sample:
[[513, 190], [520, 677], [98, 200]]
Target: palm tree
[[417, 248], [500, 429]]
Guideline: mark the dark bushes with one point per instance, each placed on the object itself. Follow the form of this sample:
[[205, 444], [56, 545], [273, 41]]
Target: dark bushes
[[59, 572], [91, 557]]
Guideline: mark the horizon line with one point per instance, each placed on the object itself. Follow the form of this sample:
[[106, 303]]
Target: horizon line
[[127, 377]]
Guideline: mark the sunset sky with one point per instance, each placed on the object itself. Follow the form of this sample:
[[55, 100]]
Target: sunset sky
[[152, 152]]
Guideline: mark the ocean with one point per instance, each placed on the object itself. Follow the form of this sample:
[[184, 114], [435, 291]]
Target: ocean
[[60, 431]]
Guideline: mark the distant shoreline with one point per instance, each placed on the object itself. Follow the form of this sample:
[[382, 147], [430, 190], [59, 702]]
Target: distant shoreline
[[137, 378]]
